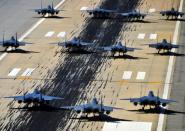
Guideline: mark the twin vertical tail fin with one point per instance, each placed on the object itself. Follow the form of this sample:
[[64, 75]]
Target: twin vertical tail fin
[[16, 39], [3, 37]]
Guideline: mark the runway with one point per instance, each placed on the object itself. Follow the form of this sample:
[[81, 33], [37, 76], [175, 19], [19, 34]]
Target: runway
[[18, 16], [176, 121], [79, 77]]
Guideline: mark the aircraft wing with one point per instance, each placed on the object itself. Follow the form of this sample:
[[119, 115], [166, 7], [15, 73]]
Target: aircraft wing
[[132, 49], [1, 43], [153, 45], [110, 108], [132, 99], [86, 44], [105, 48], [166, 101], [38, 10], [124, 14], [61, 44], [75, 108], [50, 98], [175, 46], [16, 97]]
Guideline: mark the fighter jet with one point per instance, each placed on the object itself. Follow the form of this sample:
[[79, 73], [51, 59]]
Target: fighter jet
[[49, 10], [35, 97], [150, 100], [172, 13], [12, 42], [91, 107], [99, 12], [133, 15], [164, 45], [118, 47], [74, 43]]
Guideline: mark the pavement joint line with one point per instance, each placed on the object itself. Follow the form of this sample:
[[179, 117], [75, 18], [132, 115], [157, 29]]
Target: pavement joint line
[[161, 120], [32, 29]]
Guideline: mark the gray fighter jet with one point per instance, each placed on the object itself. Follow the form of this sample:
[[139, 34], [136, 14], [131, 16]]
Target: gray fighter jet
[[91, 107], [49, 10], [150, 100], [172, 13], [12, 42], [164, 45], [133, 15], [74, 43], [100, 12], [118, 47], [35, 97]]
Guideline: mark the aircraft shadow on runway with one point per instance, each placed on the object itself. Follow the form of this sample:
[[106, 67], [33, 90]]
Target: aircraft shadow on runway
[[78, 52], [124, 20], [125, 56], [100, 118], [20, 51], [159, 110], [178, 19], [167, 54], [51, 17], [44, 108]]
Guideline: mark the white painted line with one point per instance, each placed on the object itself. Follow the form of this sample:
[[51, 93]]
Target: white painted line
[[140, 75], [152, 10], [14, 72], [83, 8], [61, 34], [153, 36], [141, 36], [127, 126], [28, 72], [49, 34], [127, 75], [32, 28], [160, 125], [3, 55]]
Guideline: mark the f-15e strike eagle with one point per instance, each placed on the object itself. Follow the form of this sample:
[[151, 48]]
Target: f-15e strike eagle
[[118, 47], [74, 43], [104, 13], [150, 100], [133, 15], [163, 45], [35, 97], [12, 42], [172, 13], [92, 107], [49, 10]]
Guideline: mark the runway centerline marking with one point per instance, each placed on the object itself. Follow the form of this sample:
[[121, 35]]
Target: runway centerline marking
[[32, 28], [28, 72], [140, 75], [169, 71], [153, 36], [61, 34], [49, 34], [141, 36], [127, 75], [14, 72]]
